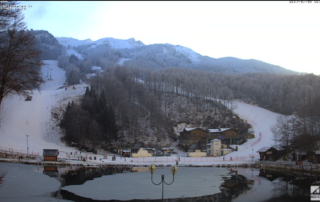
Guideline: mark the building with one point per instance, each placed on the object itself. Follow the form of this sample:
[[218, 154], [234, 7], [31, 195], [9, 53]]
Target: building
[[227, 136], [126, 153], [189, 136], [137, 146], [214, 148], [50, 154], [197, 153], [271, 153], [142, 152]]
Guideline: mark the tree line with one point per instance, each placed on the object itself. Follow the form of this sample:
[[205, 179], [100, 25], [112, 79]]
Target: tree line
[[91, 122], [299, 132]]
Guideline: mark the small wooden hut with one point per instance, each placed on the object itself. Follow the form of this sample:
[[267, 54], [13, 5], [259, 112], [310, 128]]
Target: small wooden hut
[[50, 154]]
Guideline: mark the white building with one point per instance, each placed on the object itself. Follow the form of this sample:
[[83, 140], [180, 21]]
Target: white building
[[214, 148]]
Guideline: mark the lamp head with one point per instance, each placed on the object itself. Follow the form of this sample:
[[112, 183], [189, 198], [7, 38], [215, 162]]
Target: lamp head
[[173, 170], [152, 168]]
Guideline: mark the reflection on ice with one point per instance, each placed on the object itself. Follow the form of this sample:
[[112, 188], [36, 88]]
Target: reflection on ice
[[189, 182]]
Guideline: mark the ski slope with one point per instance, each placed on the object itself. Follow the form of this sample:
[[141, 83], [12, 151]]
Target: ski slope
[[261, 120], [19, 118]]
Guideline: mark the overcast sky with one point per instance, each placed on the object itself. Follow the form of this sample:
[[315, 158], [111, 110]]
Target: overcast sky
[[280, 33]]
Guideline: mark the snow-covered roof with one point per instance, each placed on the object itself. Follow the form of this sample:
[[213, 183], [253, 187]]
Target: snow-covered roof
[[226, 149], [95, 68], [214, 140], [189, 129], [302, 153], [218, 130], [279, 148], [126, 150], [263, 149], [317, 151]]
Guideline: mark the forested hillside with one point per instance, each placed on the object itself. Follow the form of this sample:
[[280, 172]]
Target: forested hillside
[[152, 111], [108, 51], [49, 46], [280, 93]]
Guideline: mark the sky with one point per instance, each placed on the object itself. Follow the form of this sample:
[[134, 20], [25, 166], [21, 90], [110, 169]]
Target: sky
[[280, 33]]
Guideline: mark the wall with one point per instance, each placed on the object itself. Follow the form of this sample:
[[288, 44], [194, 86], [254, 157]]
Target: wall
[[197, 153], [142, 153]]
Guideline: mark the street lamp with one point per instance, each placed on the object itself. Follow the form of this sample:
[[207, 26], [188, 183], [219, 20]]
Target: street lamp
[[27, 145], [173, 171], [50, 73], [252, 157]]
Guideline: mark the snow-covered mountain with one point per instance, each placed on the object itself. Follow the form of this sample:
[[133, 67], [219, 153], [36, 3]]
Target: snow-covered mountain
[[68, 41], [109, 41], [158, 56]]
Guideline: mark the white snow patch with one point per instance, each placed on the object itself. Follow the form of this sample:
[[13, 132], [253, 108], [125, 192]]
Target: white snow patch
[[65, 41], [122, 60], [119, 43], [193, 56], [74, 52], [96, 68]]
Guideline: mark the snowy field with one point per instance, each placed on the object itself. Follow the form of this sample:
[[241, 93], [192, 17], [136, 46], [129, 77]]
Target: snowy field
[[19, 118]]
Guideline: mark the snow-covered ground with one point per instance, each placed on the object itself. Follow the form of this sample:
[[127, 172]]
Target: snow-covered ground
[[71, 51], [122, 60], [19, 118]]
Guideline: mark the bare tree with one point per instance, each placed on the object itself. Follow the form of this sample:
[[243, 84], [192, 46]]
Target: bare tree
[[20, 62], [283, 131]]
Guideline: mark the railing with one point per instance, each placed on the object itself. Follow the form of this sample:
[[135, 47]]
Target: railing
[[188, 159], [257, 140], [19, 151]]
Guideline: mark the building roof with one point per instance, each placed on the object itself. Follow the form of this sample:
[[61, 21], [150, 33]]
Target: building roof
[[137, 146], [126, 150], [302, 153], [193, 146], [263, 149], [191, 129], [50, 152], [215, 140], [218, 130], [317, 152]]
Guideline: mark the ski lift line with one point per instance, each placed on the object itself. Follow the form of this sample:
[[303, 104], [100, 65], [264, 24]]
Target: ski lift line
[[250, 113]]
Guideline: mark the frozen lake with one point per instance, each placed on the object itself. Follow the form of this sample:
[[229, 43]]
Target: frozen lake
[[32, 183]]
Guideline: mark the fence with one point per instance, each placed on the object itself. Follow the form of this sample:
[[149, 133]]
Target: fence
[[19, 151], [188, 159], [256, 141], [153, 159]]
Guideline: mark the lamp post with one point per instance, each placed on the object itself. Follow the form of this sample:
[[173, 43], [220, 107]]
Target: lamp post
[[252, 157], [27, 145], [173, 171], [50, 73]]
